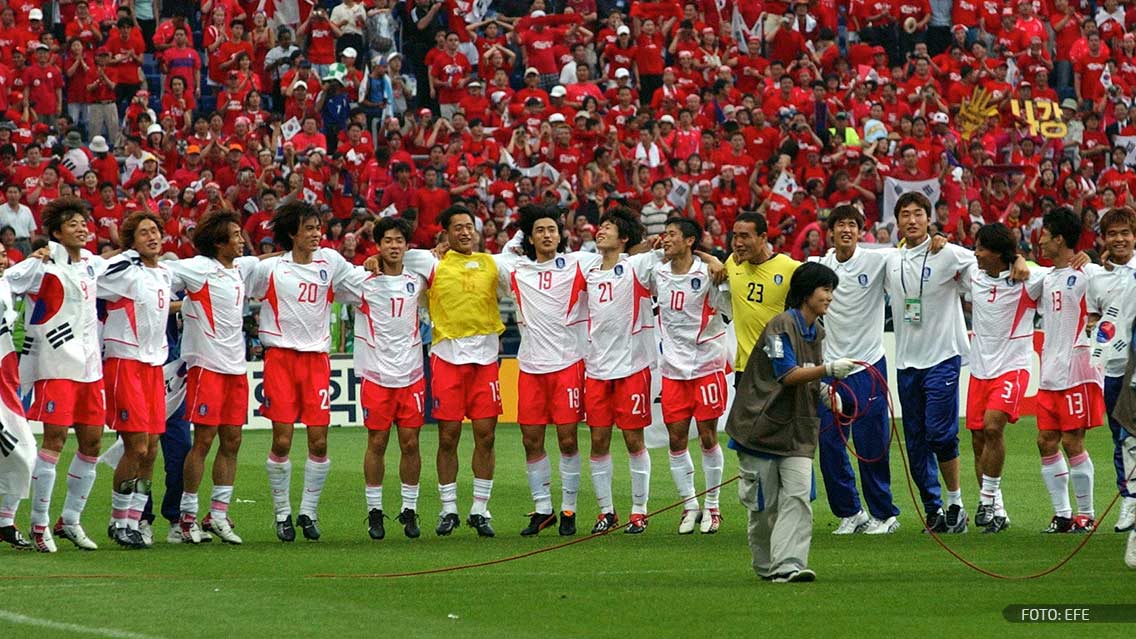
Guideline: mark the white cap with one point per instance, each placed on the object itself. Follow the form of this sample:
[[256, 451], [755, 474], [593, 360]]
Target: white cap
[[35, 14], [154, 128], [299, 84], [538, 14], [622, 30], [532, 70], [580, 114], [475, 83], [558, 91], [99, 144], [940, 118], [622, 73], [556, 117], [668, 118], [350, 52], [497, 96]]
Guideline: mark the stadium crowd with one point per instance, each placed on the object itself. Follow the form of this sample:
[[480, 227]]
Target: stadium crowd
[[412, 118]]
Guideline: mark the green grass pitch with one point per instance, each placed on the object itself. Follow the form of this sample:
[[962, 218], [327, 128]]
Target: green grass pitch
[[655, 585]]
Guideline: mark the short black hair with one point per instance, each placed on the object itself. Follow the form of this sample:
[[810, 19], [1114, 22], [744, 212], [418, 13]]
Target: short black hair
[[288, 219], [213, 231], [450, 213], [807, 279], [756, 219], [846, 212], [388, 223], [59, 211], [530, 213], [630, 229], [1064, 223], [998, 238], [912, 197], [688, 227]]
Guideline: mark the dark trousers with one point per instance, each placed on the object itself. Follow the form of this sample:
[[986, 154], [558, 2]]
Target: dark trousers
[[929, 397]]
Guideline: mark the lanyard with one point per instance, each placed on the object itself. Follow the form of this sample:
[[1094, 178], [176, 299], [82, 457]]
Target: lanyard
[[903, 269]]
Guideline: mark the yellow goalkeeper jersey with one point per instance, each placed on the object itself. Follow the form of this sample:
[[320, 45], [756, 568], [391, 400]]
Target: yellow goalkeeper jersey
[[463, 297], [757, 293]]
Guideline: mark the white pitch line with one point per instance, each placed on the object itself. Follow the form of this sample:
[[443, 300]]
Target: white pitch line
[[16, 618]]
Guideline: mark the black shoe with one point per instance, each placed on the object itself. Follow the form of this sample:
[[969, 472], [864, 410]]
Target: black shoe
[[997, 525], [605, 522], [480, 523], [1083, 524], [984, 515], [11, 535], [1059, 525], [567, 523], [128, 538], [447, 523], [409, 520], [285, 531], [308, 527], [375, 525], [936, 523], [956, 519], [637, 525], [537, 523]]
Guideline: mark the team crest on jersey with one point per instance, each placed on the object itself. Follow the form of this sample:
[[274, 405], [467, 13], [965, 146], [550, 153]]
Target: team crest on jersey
[[124, 415], [862, 278], [926, 273], [777, 279], [1071, 281], [366, 413], [90, 270], [618, 270], [560, 262], [1105, 332], [695, 284], [323, 275], [410, 287], [202, 410], [50, 406]]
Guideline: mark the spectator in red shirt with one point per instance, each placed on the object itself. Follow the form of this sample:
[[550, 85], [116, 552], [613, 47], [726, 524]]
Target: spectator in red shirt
[[126, 47], [430, 200]]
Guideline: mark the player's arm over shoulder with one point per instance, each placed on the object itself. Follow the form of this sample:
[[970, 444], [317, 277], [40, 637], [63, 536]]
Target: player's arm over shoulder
[[420, 261]]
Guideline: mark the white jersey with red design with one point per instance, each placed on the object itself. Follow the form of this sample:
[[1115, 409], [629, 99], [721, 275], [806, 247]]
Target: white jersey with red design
[[136, 303], [213, 310], [1112, 296], [388, 343], [296, 300], [1002, 318], [690, 323], [552, 309], [1065, 355], [61, 318], [17, 444], [620, 342]]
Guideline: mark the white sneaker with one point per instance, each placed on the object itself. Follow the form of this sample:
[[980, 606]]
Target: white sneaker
[[690, 519], [711, 521], [147, 532], [43, 541], [1130, 551], [174, 536], [852, 525], [1127, 519], [885, 527], [189, 530], [76, 535], [224, 531]]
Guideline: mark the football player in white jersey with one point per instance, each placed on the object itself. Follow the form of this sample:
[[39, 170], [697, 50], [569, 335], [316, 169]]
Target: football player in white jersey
[[1001, 354], [62, 358], [388, 356], [216, 282], [1070, 398], [552, 313], [1111, 304], [16, 439], [296, 290], [693, 366], [621, 351], [135, 293]]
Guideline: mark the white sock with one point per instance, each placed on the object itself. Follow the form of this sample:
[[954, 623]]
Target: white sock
[[989, 491], [138, 503], [43, 483], [1081, 472], [120, 508], [569, 482], [315, 476], [8, 506], [712, 463], [1056, 475], [80, 479], [999, 505], [410, 497], [374, 496], [539, 474], [114, 454], [482, 488], [682, 472], [601, 482], [280, 480], [640, 464], [954, 498], [219, 503], [189, 504], [449, 495]]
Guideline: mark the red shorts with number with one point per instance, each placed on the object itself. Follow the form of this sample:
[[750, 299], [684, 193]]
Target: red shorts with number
[[65, 402], [463, 391], [1004, 393], [135, 396], [296, 387], [216, 399], [1074, 408], [551, 398], [625, 402], [702, 398], [403, 406]]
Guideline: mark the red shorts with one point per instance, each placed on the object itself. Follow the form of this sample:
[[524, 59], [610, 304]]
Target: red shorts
[[464, 390], [216, 399], [551, 398], [403, 406], [296, 387], [702, 398], [1071, 409], [625, 402], [1003, 393], [135, 396], [65, 402]]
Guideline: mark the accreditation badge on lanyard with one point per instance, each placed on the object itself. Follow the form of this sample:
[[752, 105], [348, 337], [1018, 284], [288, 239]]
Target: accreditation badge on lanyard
[[912, 306]]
